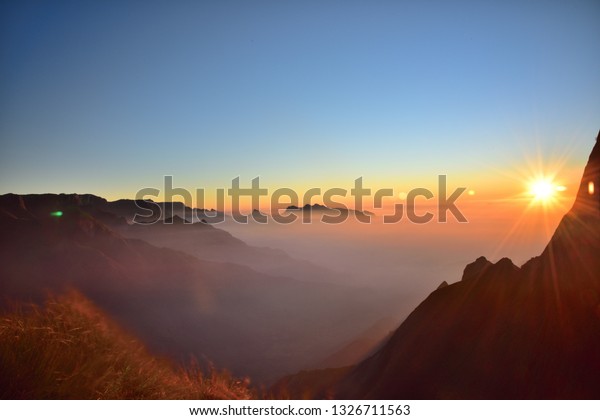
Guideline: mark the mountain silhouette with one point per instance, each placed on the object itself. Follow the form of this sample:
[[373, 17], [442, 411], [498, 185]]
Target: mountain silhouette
[[502, 332]]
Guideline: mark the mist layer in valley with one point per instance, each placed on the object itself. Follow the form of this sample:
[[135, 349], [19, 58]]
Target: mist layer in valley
[[406, 259]]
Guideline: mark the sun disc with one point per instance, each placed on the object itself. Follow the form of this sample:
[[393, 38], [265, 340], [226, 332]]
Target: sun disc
[[542, 190]]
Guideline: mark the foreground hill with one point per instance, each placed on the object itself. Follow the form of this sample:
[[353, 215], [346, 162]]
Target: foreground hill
[[68, 349], [501, 332]]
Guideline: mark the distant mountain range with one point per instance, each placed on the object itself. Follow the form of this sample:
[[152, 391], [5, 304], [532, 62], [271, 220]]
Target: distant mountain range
[[151, 211], [530, 332]]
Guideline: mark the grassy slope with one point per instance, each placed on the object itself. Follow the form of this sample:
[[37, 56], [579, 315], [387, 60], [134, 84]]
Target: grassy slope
[[68, 350]]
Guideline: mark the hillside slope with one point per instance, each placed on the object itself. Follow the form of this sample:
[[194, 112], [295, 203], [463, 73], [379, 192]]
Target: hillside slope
[[68, 349]]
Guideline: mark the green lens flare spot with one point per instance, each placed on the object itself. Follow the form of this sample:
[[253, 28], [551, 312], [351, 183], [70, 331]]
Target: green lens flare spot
[[56, 213]]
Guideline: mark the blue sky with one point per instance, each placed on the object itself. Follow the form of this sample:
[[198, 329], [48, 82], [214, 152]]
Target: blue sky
[[108, 96]]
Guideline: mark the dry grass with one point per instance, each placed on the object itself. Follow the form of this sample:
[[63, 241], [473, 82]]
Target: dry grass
[[68, 350]]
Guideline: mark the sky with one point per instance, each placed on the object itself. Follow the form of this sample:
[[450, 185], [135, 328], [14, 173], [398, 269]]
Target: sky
[[109, 97]]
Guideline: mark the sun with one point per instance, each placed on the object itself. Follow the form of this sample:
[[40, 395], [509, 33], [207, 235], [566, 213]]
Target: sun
[[544, 190]]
